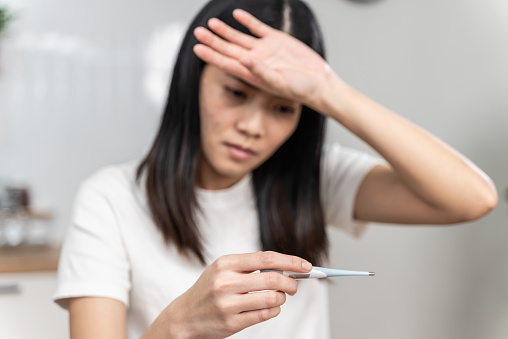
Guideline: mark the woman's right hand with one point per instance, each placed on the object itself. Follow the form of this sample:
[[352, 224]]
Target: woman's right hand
[[219, 303]]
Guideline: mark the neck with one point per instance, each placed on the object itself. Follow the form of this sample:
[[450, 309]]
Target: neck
[[209, 179]]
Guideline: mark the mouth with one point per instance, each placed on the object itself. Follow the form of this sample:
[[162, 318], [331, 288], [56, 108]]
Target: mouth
[[240, 152]]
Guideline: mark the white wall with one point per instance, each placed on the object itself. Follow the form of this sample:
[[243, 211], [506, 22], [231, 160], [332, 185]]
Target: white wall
[[442, 64], [73, 98]]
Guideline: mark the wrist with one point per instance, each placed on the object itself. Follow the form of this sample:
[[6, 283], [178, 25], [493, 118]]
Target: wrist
[[168, 325], [333, 95], [175, 322]]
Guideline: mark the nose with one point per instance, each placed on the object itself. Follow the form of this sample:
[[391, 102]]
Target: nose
[[251, 123]]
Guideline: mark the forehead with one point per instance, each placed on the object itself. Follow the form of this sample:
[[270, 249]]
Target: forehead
[[212, 74]]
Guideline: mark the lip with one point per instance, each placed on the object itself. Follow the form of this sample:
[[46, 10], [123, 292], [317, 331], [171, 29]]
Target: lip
[[243, 148], [239, 151]]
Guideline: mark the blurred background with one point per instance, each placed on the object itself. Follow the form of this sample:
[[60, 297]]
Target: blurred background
[[82, 85]]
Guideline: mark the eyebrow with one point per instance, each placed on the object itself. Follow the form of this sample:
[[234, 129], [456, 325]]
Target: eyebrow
[[254, 87], [240, 80]]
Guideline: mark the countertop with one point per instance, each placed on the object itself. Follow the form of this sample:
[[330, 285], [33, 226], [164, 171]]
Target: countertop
[[34, 257], [29, 258]]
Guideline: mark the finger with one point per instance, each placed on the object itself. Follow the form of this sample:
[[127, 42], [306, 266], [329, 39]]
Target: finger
[[250, 262], [267, 74], [257, 27], [231, 34], [223, 62], [258, 301], [267, 281], [220, 45], [250, 318]]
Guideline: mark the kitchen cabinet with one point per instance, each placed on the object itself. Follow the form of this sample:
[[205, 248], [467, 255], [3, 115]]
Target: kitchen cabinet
[[26, 308], [27, 283]]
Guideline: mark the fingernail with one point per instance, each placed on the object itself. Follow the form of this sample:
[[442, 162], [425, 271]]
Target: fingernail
[[306, 265]]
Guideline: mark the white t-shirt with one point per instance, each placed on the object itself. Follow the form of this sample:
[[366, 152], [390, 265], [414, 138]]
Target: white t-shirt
[[113, 249]]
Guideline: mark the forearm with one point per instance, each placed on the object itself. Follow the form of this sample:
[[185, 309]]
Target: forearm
[[432, 170]]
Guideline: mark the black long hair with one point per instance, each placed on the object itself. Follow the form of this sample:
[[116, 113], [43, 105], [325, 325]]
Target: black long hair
[[286, 186]]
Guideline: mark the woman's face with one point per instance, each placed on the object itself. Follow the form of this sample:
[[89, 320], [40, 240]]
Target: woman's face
[[241, 127]]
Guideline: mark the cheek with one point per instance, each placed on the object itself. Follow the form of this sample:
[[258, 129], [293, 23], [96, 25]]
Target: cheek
[[208, 120], [280, 132], [286, 128], [211, 119]]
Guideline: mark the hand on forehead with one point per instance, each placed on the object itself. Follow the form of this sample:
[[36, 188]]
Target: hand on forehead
[[271, 60]]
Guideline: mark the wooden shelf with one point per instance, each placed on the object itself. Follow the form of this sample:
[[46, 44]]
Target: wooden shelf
[[34, 214], [29, 258]]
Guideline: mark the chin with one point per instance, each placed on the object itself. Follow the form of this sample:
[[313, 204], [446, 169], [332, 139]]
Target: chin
[[233, 170], [233, 173]]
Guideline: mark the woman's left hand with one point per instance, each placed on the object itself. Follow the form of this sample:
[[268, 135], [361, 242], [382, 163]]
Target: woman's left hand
[[273, 61]]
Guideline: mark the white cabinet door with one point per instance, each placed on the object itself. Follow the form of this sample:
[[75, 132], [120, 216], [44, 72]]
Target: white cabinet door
[[26, 308]]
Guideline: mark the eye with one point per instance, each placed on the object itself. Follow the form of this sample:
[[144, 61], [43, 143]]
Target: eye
[[285, 109], [236, 93]]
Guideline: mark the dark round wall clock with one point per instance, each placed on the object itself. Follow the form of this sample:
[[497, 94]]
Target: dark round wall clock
[[363, 1]]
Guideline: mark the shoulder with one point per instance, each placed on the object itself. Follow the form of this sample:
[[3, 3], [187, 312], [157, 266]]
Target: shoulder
[[340, 159], [112, 175], [110, 182], [343, 169]]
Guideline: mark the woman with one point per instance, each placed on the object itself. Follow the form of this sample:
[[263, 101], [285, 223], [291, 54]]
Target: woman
[[167, 248]]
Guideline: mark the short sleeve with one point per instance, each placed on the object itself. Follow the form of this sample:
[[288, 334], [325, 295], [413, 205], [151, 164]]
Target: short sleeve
[[93, 261], [343, 170]]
